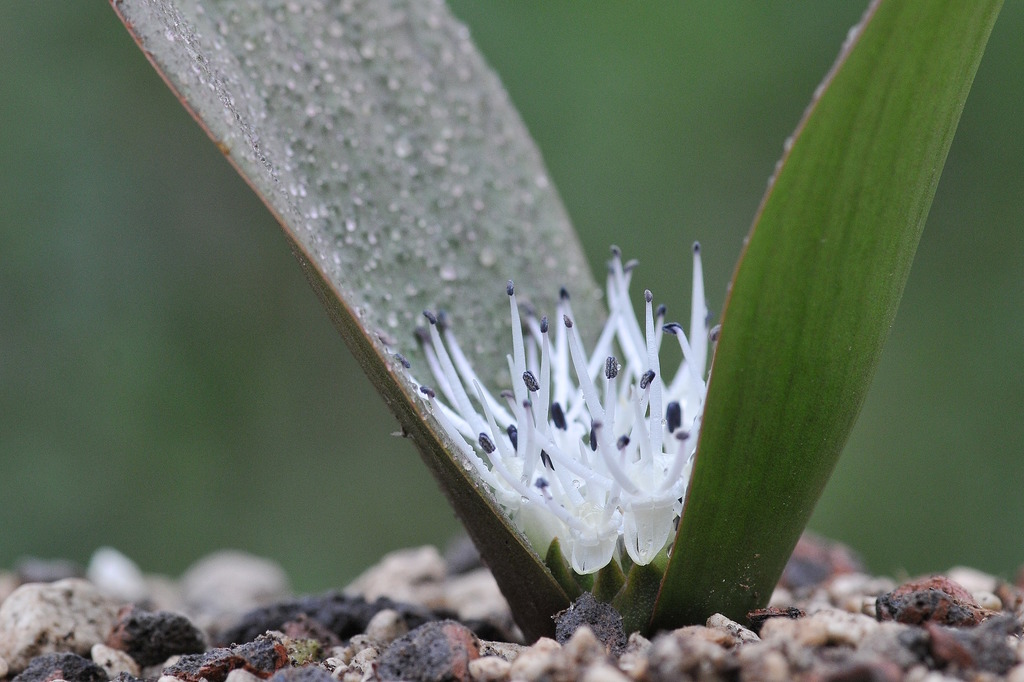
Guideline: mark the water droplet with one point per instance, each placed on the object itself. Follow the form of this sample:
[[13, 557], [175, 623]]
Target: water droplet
[[487, 258], [403, 148]]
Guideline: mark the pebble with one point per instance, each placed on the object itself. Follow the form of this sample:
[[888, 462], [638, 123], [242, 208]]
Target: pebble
[[241, 675], [362, 667], [67, 615], [760, 664], [934, 599], [440, 650], [113, 661], [116, 575], [1016, 674], [740, 634], [489, 669], [987, 600], [475, 595], [857, 585], [407, 575], [583, 648], [386, 626], [832, 627], [507, 650], [603, 672], [231, 582], [972, 579], [64, 666], [687, 651], [538, 661], [604, 622], [151, 637]]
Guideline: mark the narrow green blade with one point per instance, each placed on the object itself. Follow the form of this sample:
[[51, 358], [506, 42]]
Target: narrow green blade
[[814, 295], [404, 180]]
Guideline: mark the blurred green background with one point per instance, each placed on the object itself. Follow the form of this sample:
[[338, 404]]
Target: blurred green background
[[169, 385]]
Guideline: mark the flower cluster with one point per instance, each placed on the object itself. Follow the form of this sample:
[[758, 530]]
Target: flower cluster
[[594, 449]]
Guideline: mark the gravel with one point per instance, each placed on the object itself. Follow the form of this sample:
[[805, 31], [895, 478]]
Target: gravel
[[412, 618]]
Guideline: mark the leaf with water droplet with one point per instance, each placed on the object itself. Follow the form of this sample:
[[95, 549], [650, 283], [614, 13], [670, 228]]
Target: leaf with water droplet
[[381, 120]]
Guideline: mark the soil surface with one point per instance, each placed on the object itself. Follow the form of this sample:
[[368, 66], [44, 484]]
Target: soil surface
[[418, 615]]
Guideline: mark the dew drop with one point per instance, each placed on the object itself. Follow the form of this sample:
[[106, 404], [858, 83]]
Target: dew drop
[[403, 148], [488, 258]]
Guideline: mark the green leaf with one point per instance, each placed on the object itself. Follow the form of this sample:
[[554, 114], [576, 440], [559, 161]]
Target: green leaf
[[403, 179], [814, 296]]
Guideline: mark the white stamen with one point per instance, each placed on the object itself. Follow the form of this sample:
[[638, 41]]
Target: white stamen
[[626, 491]]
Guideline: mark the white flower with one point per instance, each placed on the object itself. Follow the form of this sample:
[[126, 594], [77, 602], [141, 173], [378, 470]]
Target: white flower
[[594, 449]]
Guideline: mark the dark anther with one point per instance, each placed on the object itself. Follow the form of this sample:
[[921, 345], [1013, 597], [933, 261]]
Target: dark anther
[[696, 247], [427, 391], [541, 482], [629, 265], [557, 416], [507, 394], [431, 318], [611, 367], [673, 328], [486, 443], [682, 435], [568, 322], [422, 335], [616, 251], [530, 381], [623, 442], [714, 333], [563, 294], [513, 435], [510, 288], [401, 358], [648, 296], [646, 379], [673, 416], [661, 312], [442, 320], [544, 325], [593, 437], [545, 459]]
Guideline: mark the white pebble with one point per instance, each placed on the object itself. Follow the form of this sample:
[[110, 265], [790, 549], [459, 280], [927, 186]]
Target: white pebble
[[232, 582], [114, 661], [972, 579], [987, 600], [240, 675], [39, 618], [602, 672], [386, 626], [116, 575], [489, 669]]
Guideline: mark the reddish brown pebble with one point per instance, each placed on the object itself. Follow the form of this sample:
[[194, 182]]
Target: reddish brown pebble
[[61, 666], [757, 617], [262, 657], [153, 637], [982, 648], [934, 599], [435, 652], [1011, 597], [815, 560]]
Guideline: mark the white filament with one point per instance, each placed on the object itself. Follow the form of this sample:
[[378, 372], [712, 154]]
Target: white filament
[[626, 496]]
